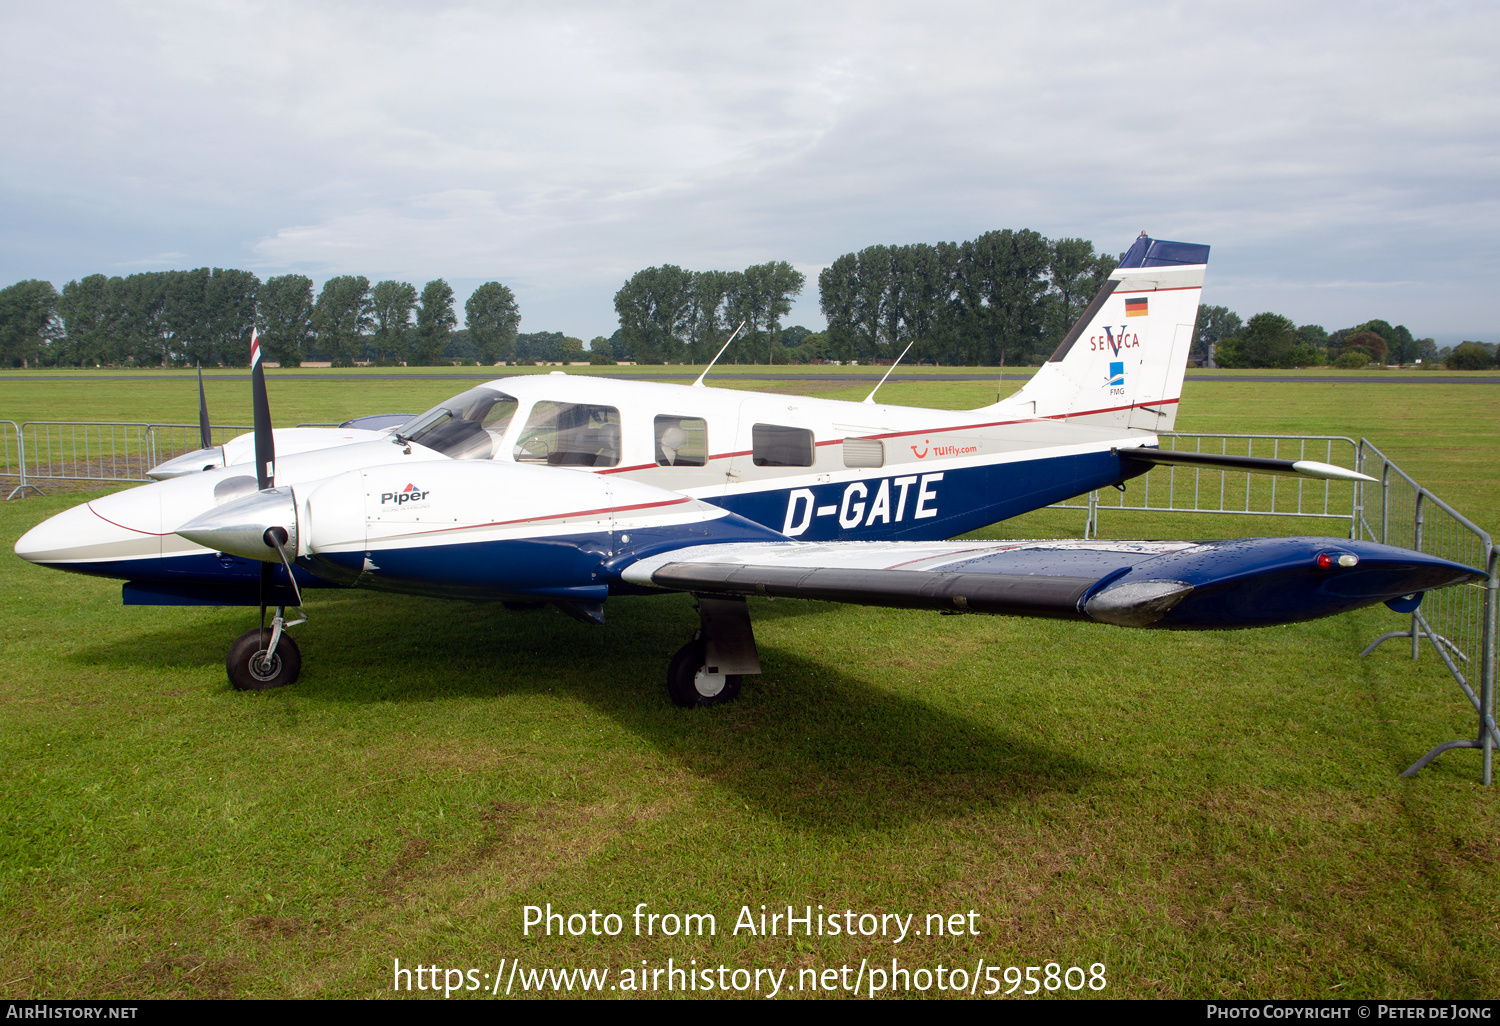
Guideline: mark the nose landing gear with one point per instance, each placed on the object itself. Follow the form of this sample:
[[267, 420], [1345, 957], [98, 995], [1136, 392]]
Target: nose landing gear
[[261, 659]]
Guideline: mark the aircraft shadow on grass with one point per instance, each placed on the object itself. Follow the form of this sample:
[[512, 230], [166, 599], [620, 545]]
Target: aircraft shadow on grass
[[808, 743]]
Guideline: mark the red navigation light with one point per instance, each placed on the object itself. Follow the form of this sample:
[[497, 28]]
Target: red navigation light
[[1327, 560]]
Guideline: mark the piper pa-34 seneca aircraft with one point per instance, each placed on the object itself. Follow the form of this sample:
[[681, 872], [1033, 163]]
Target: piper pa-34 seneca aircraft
[[569, 490]]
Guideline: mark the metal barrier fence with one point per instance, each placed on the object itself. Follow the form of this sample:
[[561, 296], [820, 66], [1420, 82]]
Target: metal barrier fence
[[11, 464], [103, 452], [1460, 622]]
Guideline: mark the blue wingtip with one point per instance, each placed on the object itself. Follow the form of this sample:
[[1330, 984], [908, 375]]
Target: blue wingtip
[[1259, 582]]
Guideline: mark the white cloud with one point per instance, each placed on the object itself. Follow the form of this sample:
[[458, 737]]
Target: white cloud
[[561, 148]]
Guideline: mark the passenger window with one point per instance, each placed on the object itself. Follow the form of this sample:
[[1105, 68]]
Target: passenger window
[[775, 446], [681, 441], [570, 435]]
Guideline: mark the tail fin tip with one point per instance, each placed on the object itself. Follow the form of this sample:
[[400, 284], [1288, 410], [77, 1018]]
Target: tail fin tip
[[1149, 252]]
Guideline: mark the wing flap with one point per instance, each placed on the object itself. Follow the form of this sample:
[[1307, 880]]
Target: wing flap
[[1056, 596]]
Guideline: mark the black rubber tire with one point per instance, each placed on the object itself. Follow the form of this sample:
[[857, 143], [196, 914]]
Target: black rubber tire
[[243, 661], [685, 684]]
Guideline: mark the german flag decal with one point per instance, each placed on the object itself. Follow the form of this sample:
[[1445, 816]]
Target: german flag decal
[[1135, 307]]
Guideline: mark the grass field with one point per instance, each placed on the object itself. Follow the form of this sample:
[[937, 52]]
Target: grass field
[[1213, 814]]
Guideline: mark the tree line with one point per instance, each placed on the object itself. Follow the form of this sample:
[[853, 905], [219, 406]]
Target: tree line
[[1271, 340], [205, 317], [671, 315], [1005, 296]]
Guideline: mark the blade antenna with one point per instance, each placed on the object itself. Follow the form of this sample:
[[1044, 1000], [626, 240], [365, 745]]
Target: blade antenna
[[718, 354], [205, 432], [871, 397]]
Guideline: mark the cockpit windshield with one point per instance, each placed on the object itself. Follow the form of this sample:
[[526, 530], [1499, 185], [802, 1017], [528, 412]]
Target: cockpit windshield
[[466, 427]]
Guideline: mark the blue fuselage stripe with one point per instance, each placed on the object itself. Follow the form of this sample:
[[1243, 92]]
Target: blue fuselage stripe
[[929, 503]]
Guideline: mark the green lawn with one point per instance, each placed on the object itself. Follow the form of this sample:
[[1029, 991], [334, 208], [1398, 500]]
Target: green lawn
[[1211, 814]]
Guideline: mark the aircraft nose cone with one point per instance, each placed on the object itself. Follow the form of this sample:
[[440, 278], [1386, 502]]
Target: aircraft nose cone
[[95, 535], [240, 527]]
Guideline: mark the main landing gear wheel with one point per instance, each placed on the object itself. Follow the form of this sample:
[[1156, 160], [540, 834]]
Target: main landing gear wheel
[[247, 666], [689, 682]]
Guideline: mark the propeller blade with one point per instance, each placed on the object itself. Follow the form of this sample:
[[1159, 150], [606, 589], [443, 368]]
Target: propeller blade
[[265, 443], [205, 433]]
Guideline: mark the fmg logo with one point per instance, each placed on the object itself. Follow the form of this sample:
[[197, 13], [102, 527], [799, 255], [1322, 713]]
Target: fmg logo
[[405, 495]]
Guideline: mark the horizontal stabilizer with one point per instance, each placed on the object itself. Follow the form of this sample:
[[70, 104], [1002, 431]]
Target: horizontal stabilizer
[[1246, 464]]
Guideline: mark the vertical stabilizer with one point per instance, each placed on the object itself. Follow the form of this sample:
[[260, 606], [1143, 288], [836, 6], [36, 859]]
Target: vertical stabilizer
[[1122, 363]]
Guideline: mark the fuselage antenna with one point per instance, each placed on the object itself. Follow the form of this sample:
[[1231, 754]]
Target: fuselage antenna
[[871, 397], [718, 354]]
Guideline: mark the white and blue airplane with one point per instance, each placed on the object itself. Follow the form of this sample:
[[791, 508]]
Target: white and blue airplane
[[569, 490]]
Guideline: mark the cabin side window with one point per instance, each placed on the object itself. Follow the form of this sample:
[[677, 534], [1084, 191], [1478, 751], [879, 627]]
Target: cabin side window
[[774, 445], [681, 441], [570, 435]]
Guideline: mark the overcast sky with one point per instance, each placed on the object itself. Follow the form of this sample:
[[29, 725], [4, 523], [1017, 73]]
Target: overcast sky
[[1341, 159]]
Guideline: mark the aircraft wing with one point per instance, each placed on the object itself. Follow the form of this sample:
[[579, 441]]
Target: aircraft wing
[[1248, 582]]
